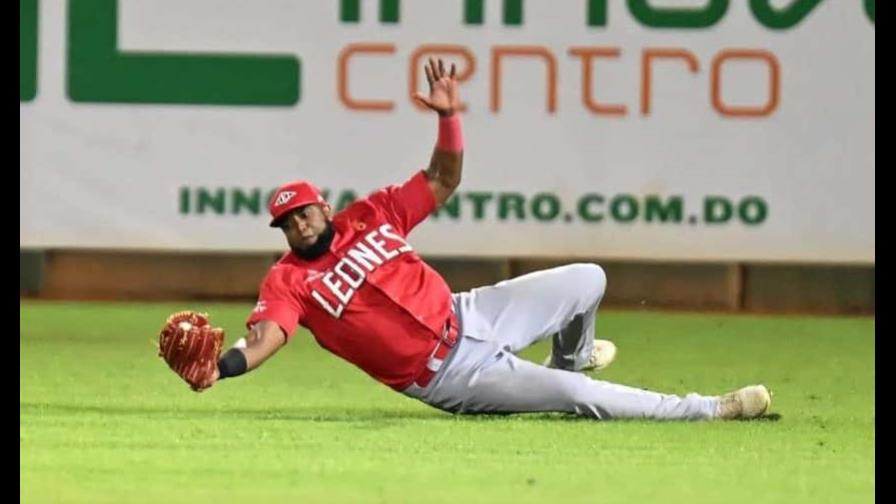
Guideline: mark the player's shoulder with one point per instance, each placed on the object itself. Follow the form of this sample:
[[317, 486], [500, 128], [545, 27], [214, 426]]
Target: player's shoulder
[[360, 208], [383, 192], [388, 196], [286, 269]]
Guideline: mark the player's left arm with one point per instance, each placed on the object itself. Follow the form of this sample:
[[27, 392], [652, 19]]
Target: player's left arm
[[446, 164], [263, 340]]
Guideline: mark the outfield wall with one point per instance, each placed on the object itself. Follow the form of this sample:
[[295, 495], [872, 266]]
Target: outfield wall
[[711, 154], [762, 288]]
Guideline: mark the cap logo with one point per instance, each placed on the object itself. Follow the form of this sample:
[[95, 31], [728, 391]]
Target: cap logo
[[284, 197]]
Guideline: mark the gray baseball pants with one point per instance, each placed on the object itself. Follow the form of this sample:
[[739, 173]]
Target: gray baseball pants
[[482, 374]]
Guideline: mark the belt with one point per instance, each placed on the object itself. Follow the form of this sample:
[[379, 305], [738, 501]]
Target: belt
[[443, 347]]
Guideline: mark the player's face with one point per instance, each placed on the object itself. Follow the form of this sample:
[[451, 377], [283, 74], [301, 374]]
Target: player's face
[[304, 225]]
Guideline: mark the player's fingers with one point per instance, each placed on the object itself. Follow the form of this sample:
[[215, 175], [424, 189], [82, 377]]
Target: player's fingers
[[441, 68], [429, 77], [453, 70]]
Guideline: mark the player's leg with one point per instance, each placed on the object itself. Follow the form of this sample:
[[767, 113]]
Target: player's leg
[[559, 302], [504, 383]]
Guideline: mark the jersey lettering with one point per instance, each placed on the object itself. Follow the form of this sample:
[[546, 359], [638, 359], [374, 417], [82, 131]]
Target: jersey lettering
[[335, 312], [347, 276], [362, 254]]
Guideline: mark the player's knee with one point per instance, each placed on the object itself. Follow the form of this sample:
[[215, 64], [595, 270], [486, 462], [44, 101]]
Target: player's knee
[[581, 400], [591, 278]]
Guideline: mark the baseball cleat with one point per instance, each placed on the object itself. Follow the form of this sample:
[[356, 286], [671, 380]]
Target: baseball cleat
[[602, 355], [748, 402]]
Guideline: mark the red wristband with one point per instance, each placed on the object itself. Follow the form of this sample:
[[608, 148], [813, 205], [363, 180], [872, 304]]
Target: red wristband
[[451, 137]]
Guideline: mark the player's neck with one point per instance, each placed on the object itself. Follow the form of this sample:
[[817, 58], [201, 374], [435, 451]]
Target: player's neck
[[318, 248]]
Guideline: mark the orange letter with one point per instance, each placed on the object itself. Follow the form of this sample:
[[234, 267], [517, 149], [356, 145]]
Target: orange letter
[[462, 75], [773, 78], [648, 55], [595, 52], [342, 78], [499, 51]]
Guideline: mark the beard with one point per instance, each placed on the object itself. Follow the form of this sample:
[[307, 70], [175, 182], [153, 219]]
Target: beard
[[318, 248]]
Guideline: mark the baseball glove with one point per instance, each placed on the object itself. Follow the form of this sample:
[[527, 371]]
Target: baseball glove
[[190, 346]]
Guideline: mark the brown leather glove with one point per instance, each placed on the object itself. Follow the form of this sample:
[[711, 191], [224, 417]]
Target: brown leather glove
[[190, 346]]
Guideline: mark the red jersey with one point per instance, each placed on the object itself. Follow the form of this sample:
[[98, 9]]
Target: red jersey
[[370, 299]]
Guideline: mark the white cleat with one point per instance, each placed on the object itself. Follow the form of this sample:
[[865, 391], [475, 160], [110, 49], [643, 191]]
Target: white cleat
[[602, 355], [748, 402]]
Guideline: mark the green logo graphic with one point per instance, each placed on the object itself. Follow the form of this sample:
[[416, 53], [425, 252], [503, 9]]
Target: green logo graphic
[[704, 17], [512, 12], [98, 72], [27, 50], [642, 11], [782, 19], [669, 17], [350, 11]]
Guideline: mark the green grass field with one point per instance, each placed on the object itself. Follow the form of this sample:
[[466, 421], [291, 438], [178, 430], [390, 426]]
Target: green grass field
[[102, 419]]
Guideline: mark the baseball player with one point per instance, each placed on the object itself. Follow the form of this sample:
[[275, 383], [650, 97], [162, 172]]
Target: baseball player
[[353, 279]]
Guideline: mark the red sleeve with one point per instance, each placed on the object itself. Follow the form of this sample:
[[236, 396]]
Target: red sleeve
[[406, 205], [277, 304]]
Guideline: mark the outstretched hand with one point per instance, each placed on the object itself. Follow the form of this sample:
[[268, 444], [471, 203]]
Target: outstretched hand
[[443, 96]]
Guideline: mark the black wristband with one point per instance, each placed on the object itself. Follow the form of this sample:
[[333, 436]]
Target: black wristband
[[232, 363]]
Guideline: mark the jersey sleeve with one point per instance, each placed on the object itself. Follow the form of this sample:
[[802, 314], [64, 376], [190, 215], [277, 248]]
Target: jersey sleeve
[[276, 303], [406, 205]]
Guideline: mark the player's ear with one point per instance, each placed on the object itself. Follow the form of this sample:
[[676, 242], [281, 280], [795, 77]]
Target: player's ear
[[327, 210]]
